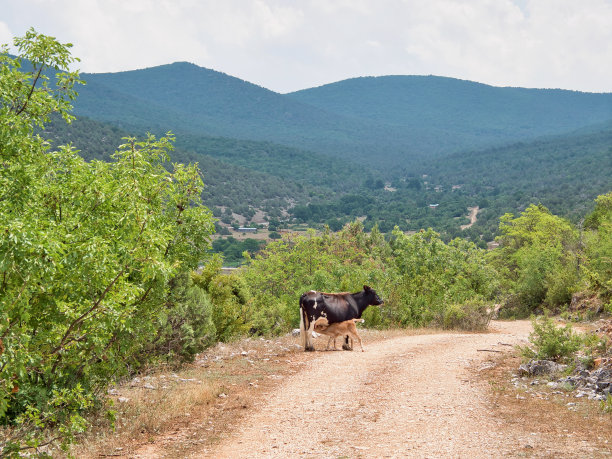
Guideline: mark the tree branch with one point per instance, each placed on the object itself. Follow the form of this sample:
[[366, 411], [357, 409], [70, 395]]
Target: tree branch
[[25, 104]]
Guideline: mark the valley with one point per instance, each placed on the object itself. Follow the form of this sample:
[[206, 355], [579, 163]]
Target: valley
[[324, 156]]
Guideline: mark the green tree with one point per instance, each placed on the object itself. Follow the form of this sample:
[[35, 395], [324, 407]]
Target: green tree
[[598, 248], [87, 249], [287, 267], [439, 283], [538, 255]]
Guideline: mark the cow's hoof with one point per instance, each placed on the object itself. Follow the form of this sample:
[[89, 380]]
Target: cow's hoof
[[347, 348], [309, 349]]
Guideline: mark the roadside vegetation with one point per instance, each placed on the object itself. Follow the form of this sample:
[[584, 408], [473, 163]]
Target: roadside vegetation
[[105, 267]]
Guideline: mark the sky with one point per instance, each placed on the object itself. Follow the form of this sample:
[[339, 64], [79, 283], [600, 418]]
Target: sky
[[287, 45]]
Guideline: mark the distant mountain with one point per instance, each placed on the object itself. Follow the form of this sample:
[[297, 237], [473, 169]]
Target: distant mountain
[[384, 122], [454, 105], [186, 98], [329, 154]]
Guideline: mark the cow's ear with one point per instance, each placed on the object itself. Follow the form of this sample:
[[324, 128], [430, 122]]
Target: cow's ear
[[366, 288]]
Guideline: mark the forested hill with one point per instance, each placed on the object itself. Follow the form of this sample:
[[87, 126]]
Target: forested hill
[[383, 122], [466, 110], [186, 98], [473, 142], [564, 173]]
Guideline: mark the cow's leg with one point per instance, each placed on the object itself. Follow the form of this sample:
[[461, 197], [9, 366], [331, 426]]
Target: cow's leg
[[346, 346], [329, 342], [306, 333]]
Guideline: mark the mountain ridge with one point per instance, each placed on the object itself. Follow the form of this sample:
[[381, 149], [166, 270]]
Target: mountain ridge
[[396, 120]]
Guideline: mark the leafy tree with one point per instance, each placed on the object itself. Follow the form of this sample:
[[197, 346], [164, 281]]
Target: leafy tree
[[87, 249], [598, 248], [437, 282], [230, 297], [539, 255], [186, 323]]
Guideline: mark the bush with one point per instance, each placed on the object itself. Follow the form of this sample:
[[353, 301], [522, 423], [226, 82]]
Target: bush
[[87, 248], [469, 316], [550, 342], [186, 325], [538, 256]]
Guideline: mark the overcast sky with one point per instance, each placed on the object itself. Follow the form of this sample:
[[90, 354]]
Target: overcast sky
[[296, 44]]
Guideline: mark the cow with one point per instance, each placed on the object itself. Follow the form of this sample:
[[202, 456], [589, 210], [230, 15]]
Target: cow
[[346, 328], [335, 307]]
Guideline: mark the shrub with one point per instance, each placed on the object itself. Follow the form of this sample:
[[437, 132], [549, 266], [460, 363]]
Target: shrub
[[550, 342], [87, 251], [186, 326], [469, 316], [606, 405]]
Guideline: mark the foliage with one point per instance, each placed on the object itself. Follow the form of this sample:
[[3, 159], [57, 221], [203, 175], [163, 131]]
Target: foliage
[[548, 341], [598, 247], [244, 175], [422, 280], [434, 276], [539, 255], [186, 323], [230, 297], [469, 316], [606, 405], [233, 249], [87, 248], [286, 268]]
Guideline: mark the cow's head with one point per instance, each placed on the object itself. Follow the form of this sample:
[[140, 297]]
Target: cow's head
[[372, 297]]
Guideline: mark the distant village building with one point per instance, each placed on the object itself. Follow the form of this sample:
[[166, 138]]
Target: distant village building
[[433, 206], [244, 229]]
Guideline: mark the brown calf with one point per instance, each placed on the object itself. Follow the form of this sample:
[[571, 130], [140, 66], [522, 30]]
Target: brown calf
[[336, 329]]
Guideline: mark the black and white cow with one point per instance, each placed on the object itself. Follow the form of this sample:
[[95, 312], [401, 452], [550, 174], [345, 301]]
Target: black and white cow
[[335, 307]]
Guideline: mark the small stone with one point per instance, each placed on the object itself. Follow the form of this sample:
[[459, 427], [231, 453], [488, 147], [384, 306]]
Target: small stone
[[222, 395], [123, 399]]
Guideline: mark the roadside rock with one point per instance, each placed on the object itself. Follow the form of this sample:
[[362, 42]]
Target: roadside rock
[[540, 367], [595, 384]]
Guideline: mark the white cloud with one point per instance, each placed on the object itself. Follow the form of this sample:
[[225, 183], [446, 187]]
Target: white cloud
[[288, 45], [6, 37]]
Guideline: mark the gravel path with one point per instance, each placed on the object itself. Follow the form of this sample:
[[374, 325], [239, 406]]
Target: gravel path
[[412, 396]]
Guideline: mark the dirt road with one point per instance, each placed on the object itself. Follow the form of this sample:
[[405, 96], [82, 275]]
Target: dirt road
[[473, 216], [412, 396]]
